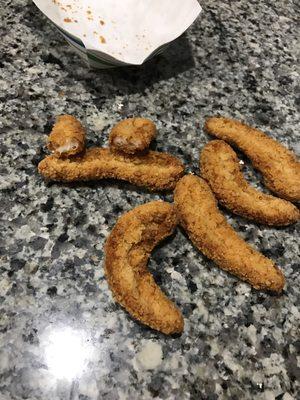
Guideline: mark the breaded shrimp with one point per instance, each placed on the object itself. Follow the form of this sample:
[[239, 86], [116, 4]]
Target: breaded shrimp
[[220, 167], [215, 238], [127, 250], [278, 165], [155, 170], [132, 135], [67, 137]]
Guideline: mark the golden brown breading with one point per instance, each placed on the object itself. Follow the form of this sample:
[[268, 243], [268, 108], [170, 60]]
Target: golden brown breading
[[67, 137], [220, 167], [214, 237], [128, 249], [156, 171], [278, 165], [132, 135]]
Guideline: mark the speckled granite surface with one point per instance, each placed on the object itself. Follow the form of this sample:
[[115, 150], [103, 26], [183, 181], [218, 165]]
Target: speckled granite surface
[[61, 334]]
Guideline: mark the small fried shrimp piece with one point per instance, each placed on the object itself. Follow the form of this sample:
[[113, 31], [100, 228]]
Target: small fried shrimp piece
[[127, 252], [132, 135], [155, 170], [278, 165], [220, 167], [67, 137], [215, 238]]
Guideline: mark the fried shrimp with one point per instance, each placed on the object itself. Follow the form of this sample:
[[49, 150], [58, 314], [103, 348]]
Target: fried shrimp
[[132, 135], [220, 167], [215, 238], [67, 137], [155, 170], [278, 165], [128, 249]]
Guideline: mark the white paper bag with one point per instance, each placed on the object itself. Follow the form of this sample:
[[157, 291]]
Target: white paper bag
[[110, 33]]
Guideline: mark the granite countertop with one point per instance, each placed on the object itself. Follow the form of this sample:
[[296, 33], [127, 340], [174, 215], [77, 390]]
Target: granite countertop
[[61, 334]]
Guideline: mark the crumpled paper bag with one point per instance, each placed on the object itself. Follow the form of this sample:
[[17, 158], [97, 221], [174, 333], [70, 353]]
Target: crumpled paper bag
[[109, 33]]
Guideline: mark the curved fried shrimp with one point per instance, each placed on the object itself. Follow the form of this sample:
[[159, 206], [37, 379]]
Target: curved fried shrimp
[[278, 165], [132, 135], [67, 137], [215, 238], [155, 170], [220, 167], [128, 249]]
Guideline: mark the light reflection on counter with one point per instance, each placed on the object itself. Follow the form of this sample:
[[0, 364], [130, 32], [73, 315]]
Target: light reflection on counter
[[67, 353]]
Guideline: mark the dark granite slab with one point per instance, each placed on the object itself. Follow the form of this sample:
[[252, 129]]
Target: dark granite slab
[[61, 334]]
